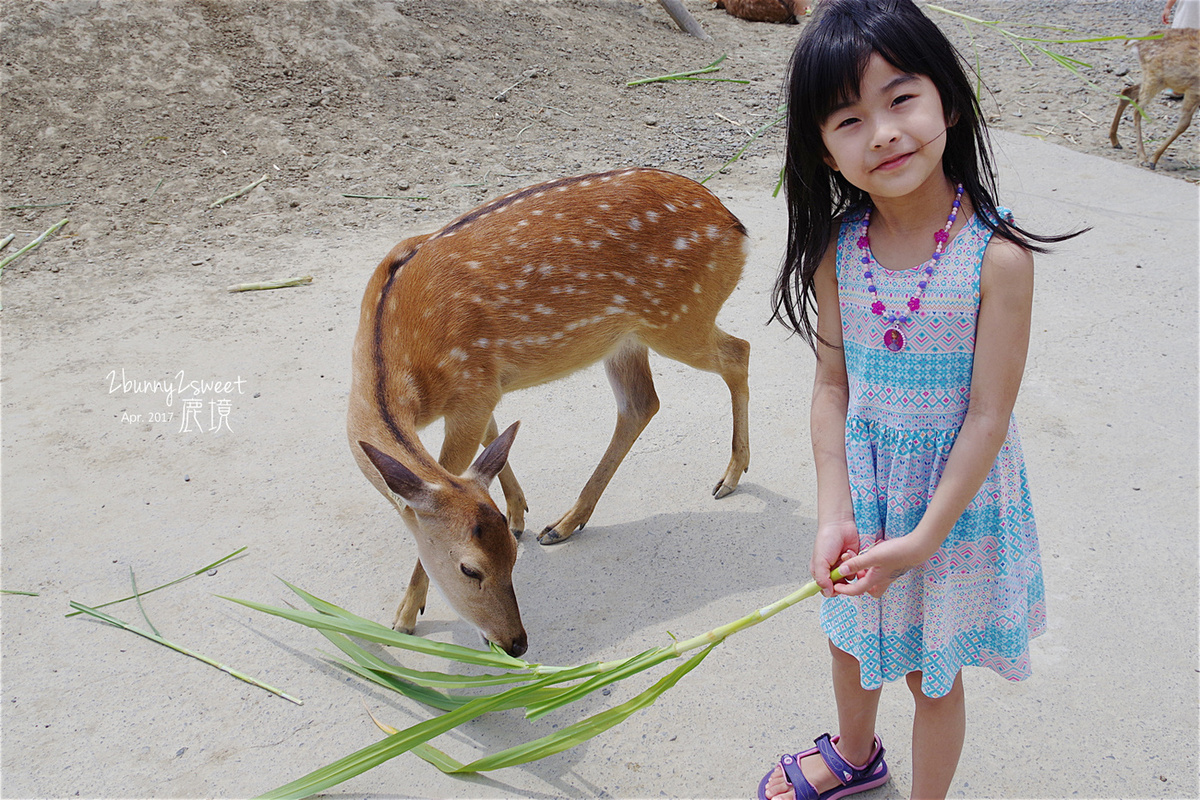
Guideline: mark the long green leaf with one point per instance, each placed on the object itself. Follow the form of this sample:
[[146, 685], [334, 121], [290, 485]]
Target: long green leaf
[[374, 632], [200, 571], [569, 736], [632, 666], [111, 620], [375, 754]]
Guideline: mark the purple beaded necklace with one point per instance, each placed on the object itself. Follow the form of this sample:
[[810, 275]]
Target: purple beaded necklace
[[893, 337]]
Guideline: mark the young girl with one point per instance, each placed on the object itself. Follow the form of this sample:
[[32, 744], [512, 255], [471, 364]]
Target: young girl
[[922, 290]]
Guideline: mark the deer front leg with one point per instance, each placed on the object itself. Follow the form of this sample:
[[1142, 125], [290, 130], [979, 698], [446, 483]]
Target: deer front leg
[[633, 384], [514, 496], [413, 602], [1130, 94]]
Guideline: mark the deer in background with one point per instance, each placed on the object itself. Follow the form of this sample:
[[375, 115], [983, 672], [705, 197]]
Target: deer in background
[[520, 291], [1172, 62]]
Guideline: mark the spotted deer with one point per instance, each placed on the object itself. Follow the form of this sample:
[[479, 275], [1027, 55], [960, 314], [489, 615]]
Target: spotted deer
[[1172, 62], [526, 289]]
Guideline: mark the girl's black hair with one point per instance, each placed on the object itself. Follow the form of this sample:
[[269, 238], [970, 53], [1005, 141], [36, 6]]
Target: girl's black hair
[[826, 70]]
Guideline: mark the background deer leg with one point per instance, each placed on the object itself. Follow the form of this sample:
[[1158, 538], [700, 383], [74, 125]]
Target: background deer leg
[[1130, 94], [514, 496], [1190, 101], [413, 602], [1148, 91], [629, 374]]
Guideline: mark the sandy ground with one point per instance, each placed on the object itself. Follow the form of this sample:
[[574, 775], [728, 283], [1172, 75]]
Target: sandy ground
[[140, 115]]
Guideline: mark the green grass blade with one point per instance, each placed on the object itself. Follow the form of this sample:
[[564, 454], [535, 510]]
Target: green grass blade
[[571, 735], [632, 666], [502, 659], [111, 620], [374, 632], [137, 595], [17, 591], [375, 754], [200, 571], [430, 697]]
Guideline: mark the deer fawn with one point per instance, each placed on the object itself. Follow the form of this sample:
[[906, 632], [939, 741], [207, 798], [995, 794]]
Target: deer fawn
[[1172, 62], [523, 290]]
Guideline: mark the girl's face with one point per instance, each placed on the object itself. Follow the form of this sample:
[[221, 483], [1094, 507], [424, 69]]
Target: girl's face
[[889, 141]]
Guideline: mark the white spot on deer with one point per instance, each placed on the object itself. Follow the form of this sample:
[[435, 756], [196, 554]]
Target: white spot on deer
[[712, 266], [477, 299], [635, 223], [557, 335], [604, 207], [576, 242], [681, 243], [619, 299], [528, 268], [696, 288], [563, 188], [595, 245], [545, 269], [556, 239], [459, 353], [712, 231], [612, 233], [652, 215], [482, 343], [585, 184], [474, 264], [544, 310], [606, 179], [518, 201], [683, 309], [674, 318], [539, 194], [520, 284], [523, 223], [537, 212], [559, 215], [670, 207], [610, 310], [697, 204]]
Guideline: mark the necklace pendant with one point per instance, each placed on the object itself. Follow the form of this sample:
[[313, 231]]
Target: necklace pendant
[[893, 339]]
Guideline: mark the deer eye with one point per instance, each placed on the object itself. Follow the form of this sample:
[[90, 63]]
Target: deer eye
[[473, 574]]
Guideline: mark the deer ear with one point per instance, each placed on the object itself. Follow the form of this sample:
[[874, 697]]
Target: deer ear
[[493, 458], [400, 479]]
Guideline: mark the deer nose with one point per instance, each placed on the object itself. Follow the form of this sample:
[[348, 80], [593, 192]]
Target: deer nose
[[519, 645]]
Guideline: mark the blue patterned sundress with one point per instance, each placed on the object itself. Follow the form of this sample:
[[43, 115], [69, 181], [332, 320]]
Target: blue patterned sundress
[[980, 599]]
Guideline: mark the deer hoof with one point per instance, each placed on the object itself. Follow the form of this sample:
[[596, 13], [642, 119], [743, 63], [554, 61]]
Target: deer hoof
[[721, 490], [551, 536]]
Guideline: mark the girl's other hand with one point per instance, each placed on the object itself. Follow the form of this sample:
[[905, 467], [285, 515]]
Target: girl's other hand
[[878, 566], [836, 541]]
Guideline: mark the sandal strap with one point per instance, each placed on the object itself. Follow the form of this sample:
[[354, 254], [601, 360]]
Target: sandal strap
[[801, 788], [840, 767]]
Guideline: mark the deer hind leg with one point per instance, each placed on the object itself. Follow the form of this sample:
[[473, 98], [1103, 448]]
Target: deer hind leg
[[1190, 101], [1130, 94], [413, 602], [514, 496], [714, 350], [1149, 90], [629, 373]]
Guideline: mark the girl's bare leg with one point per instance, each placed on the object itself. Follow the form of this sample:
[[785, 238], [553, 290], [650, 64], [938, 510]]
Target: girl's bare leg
[[939, 727], [857, 708]]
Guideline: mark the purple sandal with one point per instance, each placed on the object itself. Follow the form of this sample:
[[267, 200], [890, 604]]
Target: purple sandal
[[854, 779]]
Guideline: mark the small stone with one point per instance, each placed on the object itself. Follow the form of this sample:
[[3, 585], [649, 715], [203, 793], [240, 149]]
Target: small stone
[[651, 121]]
